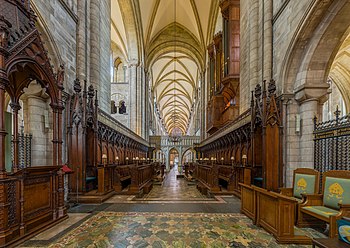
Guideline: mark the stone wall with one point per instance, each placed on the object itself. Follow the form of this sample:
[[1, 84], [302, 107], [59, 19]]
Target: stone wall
[[120, 91], [286, 24], [105, 44], [60, 26]]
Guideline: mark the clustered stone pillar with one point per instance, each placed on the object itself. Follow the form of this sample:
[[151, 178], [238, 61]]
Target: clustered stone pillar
[[311, 100], [35, 101], [267, 39], [133, 95], [83, 40], [254, 43]]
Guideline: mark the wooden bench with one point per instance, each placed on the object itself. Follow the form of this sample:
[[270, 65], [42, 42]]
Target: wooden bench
[[330, 206], [148, 187], [122, 175]]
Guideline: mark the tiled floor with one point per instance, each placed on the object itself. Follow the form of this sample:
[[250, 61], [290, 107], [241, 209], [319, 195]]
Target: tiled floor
[[174, 214]]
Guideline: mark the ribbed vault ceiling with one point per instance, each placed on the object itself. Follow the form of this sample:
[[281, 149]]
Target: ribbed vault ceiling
[[340, 70], [175, 34]]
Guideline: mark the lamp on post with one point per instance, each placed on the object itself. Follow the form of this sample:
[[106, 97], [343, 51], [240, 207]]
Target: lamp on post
[[117, 160], [104, 159], [222, 160], [232, 159], [127, 160], [244, 159]]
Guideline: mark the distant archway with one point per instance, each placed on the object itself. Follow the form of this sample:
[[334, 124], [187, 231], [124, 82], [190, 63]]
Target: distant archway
[[188, 155], [173, 157]]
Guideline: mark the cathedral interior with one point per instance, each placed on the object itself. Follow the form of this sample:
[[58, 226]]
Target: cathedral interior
[[174, 123]]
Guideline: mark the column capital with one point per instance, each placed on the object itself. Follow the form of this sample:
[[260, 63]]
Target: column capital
[[307, 92], [15, 106], [133, 63]]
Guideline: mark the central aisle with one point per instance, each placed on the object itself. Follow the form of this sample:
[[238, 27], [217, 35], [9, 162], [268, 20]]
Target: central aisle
[[175, 189], [173, 214]]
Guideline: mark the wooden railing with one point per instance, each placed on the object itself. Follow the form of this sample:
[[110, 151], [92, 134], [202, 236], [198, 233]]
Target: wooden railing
[[122, 175]]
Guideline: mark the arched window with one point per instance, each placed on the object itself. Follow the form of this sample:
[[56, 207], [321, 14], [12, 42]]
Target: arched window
[[122, 107], [116, 69]]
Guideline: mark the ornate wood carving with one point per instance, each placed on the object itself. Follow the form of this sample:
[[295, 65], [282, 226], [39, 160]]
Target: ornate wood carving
[[28, 197]]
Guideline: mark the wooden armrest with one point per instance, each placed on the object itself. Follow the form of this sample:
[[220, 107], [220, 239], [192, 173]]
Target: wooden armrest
[[286, 191], [312, 200], [344, 210], [344, 205]]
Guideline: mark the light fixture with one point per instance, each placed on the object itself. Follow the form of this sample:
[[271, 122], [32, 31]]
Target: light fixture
[[244, 159], [104, 159]]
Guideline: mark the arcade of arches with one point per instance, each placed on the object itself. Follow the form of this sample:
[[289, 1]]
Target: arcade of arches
[[174, 123]]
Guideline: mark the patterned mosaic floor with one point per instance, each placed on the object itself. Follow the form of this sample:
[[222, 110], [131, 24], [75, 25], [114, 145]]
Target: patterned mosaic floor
[[174, 214], [110, 229]]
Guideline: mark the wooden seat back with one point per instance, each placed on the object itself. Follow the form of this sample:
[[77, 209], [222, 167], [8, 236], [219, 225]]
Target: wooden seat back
[[336, 188], [305, 181]]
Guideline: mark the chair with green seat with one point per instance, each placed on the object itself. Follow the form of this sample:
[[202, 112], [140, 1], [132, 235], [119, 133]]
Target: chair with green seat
[[330, 206], [305, 181]]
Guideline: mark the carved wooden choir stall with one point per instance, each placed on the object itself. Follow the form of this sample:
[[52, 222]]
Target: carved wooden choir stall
[[31, 198], [99, 153], [249, 150]]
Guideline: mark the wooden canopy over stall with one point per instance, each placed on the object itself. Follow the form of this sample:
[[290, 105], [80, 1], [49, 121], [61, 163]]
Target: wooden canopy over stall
[[100, 155], [32, 198], [248, 149]]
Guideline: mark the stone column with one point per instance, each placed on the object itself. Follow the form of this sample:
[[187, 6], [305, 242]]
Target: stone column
[[133, 103], [36, 105], [311, 99], [83, 40], [140, 106], [254, 43], [267, 39], [95, 44]]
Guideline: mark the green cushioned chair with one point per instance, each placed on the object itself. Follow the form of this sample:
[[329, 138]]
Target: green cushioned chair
[[330, 206], [305, 181]]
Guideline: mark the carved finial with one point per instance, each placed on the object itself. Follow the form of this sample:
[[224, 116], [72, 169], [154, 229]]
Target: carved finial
[[337, 113], [77, 87], [272, 87], [91, 93], [257, 91], [60, 74], [315, 121]]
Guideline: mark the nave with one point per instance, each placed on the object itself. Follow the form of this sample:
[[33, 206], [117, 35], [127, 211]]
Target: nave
[[184, 218]]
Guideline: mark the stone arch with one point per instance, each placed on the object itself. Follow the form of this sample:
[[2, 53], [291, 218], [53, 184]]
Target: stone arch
[[132, 25], [186, 150], [47, 38], [313, 49]]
